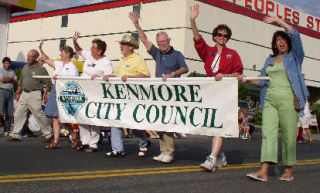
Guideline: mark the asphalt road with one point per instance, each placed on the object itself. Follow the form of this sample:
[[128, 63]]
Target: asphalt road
[[28, 167]]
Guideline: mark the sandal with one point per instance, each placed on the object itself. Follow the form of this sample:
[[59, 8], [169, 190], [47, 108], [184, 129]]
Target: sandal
[[286, 178], [53, 146], [82, 147], [256, 176], [91, 150], [74, 140], [127, 136]]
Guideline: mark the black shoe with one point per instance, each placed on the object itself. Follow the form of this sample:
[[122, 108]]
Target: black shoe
[[116, 154], [148, 143], [82, 147]]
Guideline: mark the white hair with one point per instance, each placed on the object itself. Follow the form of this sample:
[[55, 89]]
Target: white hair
[[163, 33]]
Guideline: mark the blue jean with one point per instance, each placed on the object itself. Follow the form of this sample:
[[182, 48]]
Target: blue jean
[[117, 141], [6, 106]]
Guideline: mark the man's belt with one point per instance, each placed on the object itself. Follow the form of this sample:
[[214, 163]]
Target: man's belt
[[27, 91]]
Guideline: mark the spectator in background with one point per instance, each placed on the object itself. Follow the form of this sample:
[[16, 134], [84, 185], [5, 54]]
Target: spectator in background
[[28, 95], [7, 80], [245, 124], [304, 124]]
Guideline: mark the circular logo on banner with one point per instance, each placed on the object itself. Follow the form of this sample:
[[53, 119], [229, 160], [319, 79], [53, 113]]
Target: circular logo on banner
[[72, 98]]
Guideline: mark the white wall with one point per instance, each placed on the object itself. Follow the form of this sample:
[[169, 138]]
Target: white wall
[[4, 20], [112, 23]]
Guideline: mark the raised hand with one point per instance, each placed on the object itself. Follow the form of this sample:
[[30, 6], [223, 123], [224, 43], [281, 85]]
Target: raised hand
[[41, 43], [133, 16], [194, 11], [279, 21], [271, 19], [76, 36]]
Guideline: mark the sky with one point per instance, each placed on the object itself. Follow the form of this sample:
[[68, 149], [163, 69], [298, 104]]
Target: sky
[[311, 7]]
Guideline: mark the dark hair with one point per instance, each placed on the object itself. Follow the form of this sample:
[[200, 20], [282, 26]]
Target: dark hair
[[68, 50], [221, 27], [6, 59], [101, 45], [283, 35]]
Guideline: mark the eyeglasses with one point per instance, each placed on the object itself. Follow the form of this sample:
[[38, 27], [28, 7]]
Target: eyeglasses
[[224, 35]]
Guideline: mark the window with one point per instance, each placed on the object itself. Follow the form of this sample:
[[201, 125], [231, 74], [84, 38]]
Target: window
[[62, 44], [64, 21], [136, 8], [254, 67]]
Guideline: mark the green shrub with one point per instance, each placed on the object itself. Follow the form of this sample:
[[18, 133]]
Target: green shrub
[[17, 72], [196, 74], [257, 119]]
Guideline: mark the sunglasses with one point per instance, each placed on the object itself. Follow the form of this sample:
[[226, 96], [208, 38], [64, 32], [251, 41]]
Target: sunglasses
[[224, 35]]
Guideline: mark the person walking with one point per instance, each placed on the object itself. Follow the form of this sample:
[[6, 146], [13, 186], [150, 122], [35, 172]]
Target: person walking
[[219, 61], [29, 97], [64, 68], [170, 63], [131, 65], [96, 65], [281, 99]]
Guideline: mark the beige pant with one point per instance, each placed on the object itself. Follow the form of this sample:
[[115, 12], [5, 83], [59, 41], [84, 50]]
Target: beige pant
[[166, 143], [31, 101]]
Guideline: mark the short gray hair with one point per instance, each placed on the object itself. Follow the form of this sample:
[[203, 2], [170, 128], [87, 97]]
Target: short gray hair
[[163, 33], [36, 53]]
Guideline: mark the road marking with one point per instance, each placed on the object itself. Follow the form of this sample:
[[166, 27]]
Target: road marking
[[127, 172]]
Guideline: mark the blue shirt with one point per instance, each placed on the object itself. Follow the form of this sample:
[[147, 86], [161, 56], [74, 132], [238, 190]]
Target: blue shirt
[[293, 65], [167, 62]]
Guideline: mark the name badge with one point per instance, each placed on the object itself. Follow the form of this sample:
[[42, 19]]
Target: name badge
[[127, 65], [229, 56]]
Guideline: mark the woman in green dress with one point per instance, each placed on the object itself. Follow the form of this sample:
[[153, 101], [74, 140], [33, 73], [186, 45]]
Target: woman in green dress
[[281, 98]]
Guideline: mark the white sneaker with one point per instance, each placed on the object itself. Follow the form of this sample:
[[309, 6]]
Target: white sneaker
[[143, 151], [210, 164], [221, 161], [158, 158], [166, 159]]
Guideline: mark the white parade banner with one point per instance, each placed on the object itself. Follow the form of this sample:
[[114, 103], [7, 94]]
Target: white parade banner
[[185, 105]]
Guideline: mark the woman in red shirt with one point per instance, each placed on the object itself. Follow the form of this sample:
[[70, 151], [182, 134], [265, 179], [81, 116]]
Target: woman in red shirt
[[220, 62]]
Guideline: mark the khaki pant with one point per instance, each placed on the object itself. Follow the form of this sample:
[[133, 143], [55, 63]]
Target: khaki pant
[[166, 143], [31, 101]]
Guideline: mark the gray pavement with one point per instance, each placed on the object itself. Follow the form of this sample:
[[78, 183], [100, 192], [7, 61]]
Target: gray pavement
[[46, 170]]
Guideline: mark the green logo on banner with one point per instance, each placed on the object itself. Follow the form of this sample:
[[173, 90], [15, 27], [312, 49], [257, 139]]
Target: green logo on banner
[[72, 98]]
